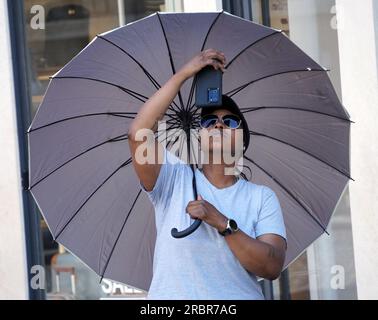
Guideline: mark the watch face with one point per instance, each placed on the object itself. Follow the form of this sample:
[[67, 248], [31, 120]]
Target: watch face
[[233, 224]]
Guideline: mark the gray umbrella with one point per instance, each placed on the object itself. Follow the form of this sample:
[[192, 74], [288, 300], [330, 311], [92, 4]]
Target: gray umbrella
[[81, 174]]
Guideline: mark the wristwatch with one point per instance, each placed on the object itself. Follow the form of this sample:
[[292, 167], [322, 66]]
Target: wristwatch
[[232, 227]]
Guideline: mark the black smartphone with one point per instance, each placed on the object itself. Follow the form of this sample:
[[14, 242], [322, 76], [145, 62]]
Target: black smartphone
[[208, 87]]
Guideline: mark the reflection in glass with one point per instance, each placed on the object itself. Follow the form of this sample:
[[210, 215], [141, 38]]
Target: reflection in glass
[[69, 25]]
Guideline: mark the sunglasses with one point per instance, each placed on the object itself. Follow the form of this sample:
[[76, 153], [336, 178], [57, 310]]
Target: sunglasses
[[229, 120]]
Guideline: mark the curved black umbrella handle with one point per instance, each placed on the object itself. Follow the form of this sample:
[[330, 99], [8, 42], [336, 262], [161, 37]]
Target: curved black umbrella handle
[[181, 234]]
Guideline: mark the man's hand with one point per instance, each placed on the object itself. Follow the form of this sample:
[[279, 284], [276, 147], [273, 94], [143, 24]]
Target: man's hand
[[209, 57], [264, 256], [201, 209]]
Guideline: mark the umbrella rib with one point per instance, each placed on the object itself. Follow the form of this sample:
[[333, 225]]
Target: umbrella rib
[[202, 47], [243, 86], [172, 142], [195, 158], [115, 139], [192, 107], [171, 116], [119, 235], [172, 121], [210, 28], [233, 59], [249, 109], [134, 94], [173, 125], [184, 144], [191, 93], [174, 131], [116, 114], [181, 142], [128, 161], [149, 76], [170, 59], [250, 45], [198, 159], [300, 149], [288, 192]]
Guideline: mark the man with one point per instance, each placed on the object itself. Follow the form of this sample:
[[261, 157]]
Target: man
[[242, 235]]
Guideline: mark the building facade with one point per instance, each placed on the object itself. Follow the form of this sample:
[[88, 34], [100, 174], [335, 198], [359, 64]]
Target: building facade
[[37, 37]]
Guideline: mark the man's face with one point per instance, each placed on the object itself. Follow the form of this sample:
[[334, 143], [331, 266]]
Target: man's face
[[219, 139]]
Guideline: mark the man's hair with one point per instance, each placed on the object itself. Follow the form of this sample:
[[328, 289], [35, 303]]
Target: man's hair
[[230, 105]]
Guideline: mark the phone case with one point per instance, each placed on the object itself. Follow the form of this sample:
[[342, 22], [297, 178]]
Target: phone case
[[208, 87]]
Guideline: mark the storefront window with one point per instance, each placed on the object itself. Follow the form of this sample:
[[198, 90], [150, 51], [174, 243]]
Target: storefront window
[[325, 270], [71, 24], [279, 18], [55, 32]]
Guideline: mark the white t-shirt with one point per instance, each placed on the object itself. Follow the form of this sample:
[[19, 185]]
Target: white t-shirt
[[201, 265]]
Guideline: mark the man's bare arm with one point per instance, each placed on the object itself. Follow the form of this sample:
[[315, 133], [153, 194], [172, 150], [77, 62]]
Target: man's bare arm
[[154, 109], [263, 256], [147, 118]]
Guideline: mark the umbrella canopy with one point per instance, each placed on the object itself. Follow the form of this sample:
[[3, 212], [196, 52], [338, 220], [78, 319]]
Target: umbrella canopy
[[81, 175]]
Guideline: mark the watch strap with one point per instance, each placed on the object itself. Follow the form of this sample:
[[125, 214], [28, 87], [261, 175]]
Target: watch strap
[[228, 229]]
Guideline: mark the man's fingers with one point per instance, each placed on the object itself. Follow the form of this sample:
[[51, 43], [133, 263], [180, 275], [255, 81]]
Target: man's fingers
[[195, 204], [216, 64], [196, 213], [217, 56]]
